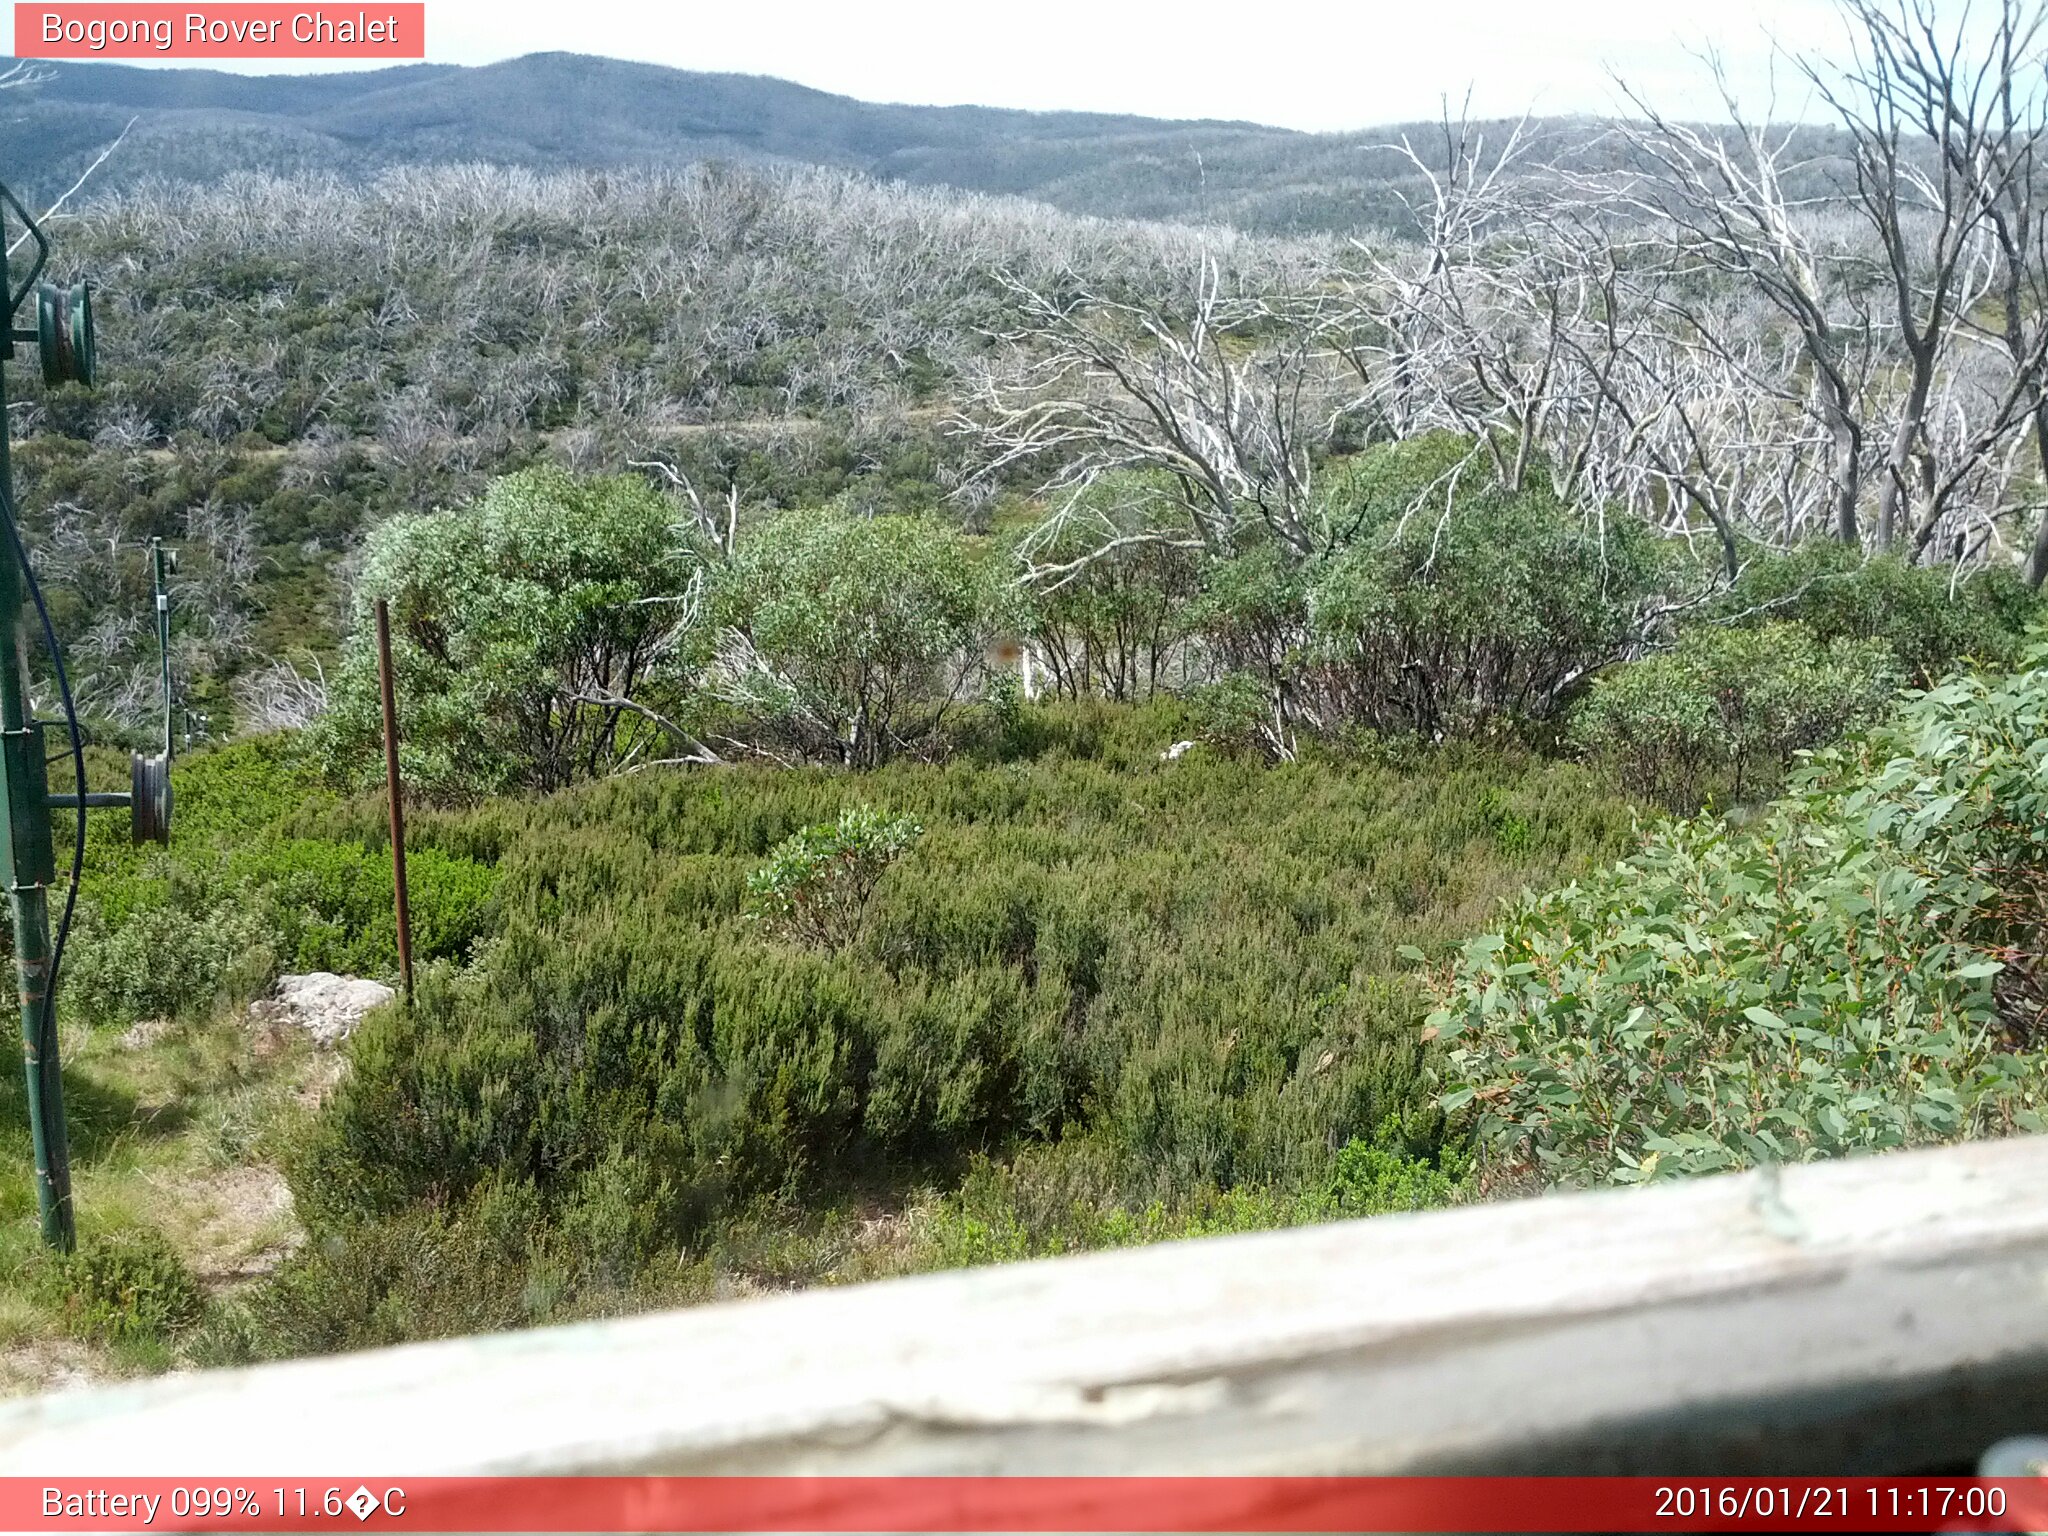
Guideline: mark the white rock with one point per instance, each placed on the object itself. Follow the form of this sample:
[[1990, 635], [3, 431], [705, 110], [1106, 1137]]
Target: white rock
[[328, 1006], [144, 1033], [1172, 753]]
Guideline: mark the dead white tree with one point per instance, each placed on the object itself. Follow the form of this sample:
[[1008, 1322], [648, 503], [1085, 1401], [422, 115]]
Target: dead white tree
[[280, 697], [1691, 409], [1230, 389], [1921, 323], [1942, 128], [1469, 332], [1553, 322], [718, 526], [1724, 195], [1976, 95]]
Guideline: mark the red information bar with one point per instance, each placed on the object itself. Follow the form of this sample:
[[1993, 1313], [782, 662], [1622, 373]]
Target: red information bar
[[1024, 1504], [379, 29]]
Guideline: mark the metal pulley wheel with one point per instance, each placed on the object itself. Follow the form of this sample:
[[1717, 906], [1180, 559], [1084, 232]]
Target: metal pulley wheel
[[149, 805], [64, 332]]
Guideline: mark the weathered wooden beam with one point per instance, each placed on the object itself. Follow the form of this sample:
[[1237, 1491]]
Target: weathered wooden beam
[[1882, 1313]]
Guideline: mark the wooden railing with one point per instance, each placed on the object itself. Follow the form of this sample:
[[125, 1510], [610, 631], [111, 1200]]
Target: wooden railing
[[1878, 1314]]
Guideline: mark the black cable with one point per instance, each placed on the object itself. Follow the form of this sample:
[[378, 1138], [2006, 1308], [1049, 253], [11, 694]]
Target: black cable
[[35, 592]]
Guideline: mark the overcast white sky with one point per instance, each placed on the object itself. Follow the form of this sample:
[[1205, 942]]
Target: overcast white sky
[[1315, 64]]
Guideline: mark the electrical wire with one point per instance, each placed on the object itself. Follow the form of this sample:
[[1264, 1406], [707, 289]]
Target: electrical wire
[[35, 593]]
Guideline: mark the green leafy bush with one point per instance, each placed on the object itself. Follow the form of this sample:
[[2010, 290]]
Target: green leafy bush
[[1251, 615], [1109, 617], [267, 872], [1190, 967], [329, 904], [1452, 609], [500, 1256], [854, 639], [525, 629], [1069, 1197], [1859, 969], [1445, 605], [1731, 708], [1929, 617], [1236, 715], [430, 1273], [816, 884], [164, 933], [129, 1284], [1372, 1178], [173, 952]]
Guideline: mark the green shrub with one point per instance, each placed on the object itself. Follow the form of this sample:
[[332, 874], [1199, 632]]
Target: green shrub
[[519, 624], [173, 933], [1859, 969], [174, 951], [423, 1274], [816, 884], [854, 639], [1446, 605], [1455, 610], [1002, 703], [983, 1225], [1193, 966], [1511, 829], [1927, 616], [330, 904], [490, 1260], [129, 1284], [1109, 618], [1236, 715], [1373, 1179], [1731, 708], [1071, 1196], [1251, 615], [166, 933]]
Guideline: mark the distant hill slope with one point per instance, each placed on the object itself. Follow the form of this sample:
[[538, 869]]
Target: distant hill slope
[[559, 110]]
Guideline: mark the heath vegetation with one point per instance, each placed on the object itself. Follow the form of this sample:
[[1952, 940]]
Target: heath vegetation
[[943, 731]]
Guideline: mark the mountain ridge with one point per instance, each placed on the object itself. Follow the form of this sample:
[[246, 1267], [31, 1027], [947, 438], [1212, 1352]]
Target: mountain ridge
[[555, 111]]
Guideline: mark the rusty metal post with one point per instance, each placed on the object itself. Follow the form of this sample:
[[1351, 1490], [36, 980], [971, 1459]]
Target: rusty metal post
[[391, 784]]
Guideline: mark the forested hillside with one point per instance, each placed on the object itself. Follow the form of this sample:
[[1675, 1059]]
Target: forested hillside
[[939, 729], [566, 112], [288, 362], [560, 111]]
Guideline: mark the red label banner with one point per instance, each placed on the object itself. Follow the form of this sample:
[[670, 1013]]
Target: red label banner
[[1023, 1504], [232, 31]]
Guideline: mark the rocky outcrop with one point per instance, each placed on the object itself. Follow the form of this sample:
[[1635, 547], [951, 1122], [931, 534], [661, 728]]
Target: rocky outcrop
[[326, 1006]]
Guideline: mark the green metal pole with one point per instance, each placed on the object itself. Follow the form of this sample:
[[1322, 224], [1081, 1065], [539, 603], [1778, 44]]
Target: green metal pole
[[163, 638], [27, 810]]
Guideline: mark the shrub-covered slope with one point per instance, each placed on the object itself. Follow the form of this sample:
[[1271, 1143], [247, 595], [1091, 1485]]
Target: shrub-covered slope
[[1102, 997], [1859, 968]]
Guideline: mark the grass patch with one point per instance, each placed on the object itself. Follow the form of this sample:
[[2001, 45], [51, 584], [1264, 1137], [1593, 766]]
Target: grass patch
[[174, 1214]]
